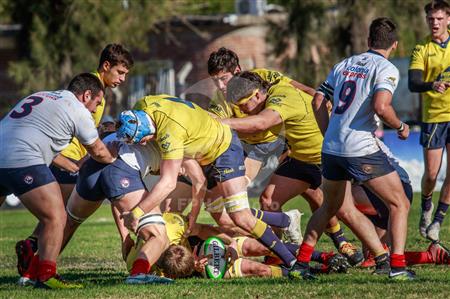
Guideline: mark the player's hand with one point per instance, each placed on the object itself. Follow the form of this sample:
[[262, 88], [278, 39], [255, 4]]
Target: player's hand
[[192, 219], [130, 221], [440, 86], [127, 244], [232, 255], [404, 133]]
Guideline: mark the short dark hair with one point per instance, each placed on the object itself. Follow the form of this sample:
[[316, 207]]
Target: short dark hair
[[85, 81], [116, 54], [243, 84], [222, 60], [437, 5], [382, 33]]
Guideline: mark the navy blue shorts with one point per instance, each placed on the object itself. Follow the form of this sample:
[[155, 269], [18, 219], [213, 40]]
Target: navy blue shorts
[[359, 169], [98, 181], [64, 177], [382, 218], [229, 165], [23, 179], [433, 136], [262, 151], [302, 171]]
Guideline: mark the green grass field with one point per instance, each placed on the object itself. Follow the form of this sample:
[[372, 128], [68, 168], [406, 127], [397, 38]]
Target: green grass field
[[94, 259]]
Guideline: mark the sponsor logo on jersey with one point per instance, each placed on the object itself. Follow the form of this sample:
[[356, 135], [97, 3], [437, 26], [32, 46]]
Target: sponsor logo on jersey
[[28, 179], [391, 81], [356, 72], [125, 182], [275, 101], [164, 137], [165, 146]]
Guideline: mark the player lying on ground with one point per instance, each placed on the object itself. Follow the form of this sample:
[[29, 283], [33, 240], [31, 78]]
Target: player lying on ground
[[181, 259], [32, 134]]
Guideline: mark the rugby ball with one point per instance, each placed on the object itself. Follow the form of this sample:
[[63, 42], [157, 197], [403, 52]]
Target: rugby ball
[[215, 250]]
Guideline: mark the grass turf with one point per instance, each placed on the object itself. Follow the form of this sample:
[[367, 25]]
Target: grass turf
[[93, 257]]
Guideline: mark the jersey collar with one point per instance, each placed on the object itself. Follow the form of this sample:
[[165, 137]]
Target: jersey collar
[[374, 52]]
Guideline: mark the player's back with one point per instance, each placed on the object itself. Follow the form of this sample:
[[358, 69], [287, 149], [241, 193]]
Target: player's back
[[353, 83], [39, 127], [184, 129]]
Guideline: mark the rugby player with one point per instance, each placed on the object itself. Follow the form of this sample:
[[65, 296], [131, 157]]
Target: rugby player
[[115, 63], [283, 107], [429, 74], [180, 259], [184, 130], [223, 64], [33, 133], [361, 87]]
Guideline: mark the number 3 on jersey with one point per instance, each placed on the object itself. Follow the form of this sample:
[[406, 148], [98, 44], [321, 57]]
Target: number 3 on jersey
[[26, 107], [346, 96]]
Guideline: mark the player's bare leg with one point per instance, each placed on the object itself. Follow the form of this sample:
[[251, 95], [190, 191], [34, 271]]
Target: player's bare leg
[[433, 229], [252, 168], [363, 228], [390, 189], [236, 204], [45, 202], [281, 189], [432, 165], [78, 209]]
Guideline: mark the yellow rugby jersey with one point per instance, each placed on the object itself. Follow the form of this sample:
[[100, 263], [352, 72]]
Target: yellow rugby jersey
[[176, 226], [434, 61], [75, 150], [300, 126], [185, 130], [224, 109]]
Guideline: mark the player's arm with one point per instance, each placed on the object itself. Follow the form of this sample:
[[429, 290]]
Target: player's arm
[[322, 97], [319, 104], [169, 170], [255, 123], [64, 163], [99, 152], [195, 173], [309, 90], [382, 105], [416, 83]]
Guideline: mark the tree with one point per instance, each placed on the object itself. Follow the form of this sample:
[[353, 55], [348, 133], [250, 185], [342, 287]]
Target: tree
[[62, 37], [328, 30]]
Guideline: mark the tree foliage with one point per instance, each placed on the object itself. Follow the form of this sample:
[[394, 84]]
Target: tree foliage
[[62, 37], [329, 30]]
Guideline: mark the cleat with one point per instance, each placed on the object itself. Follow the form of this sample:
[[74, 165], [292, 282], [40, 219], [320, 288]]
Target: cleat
[[439, 253], [433, 231], [25, 253], [382, 268], [369, 262], [403, 275], [56, 282], [300, 271], [338, 264], [148, 279], [353, 255], [425, 221], [293, 233], [26, 281]]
